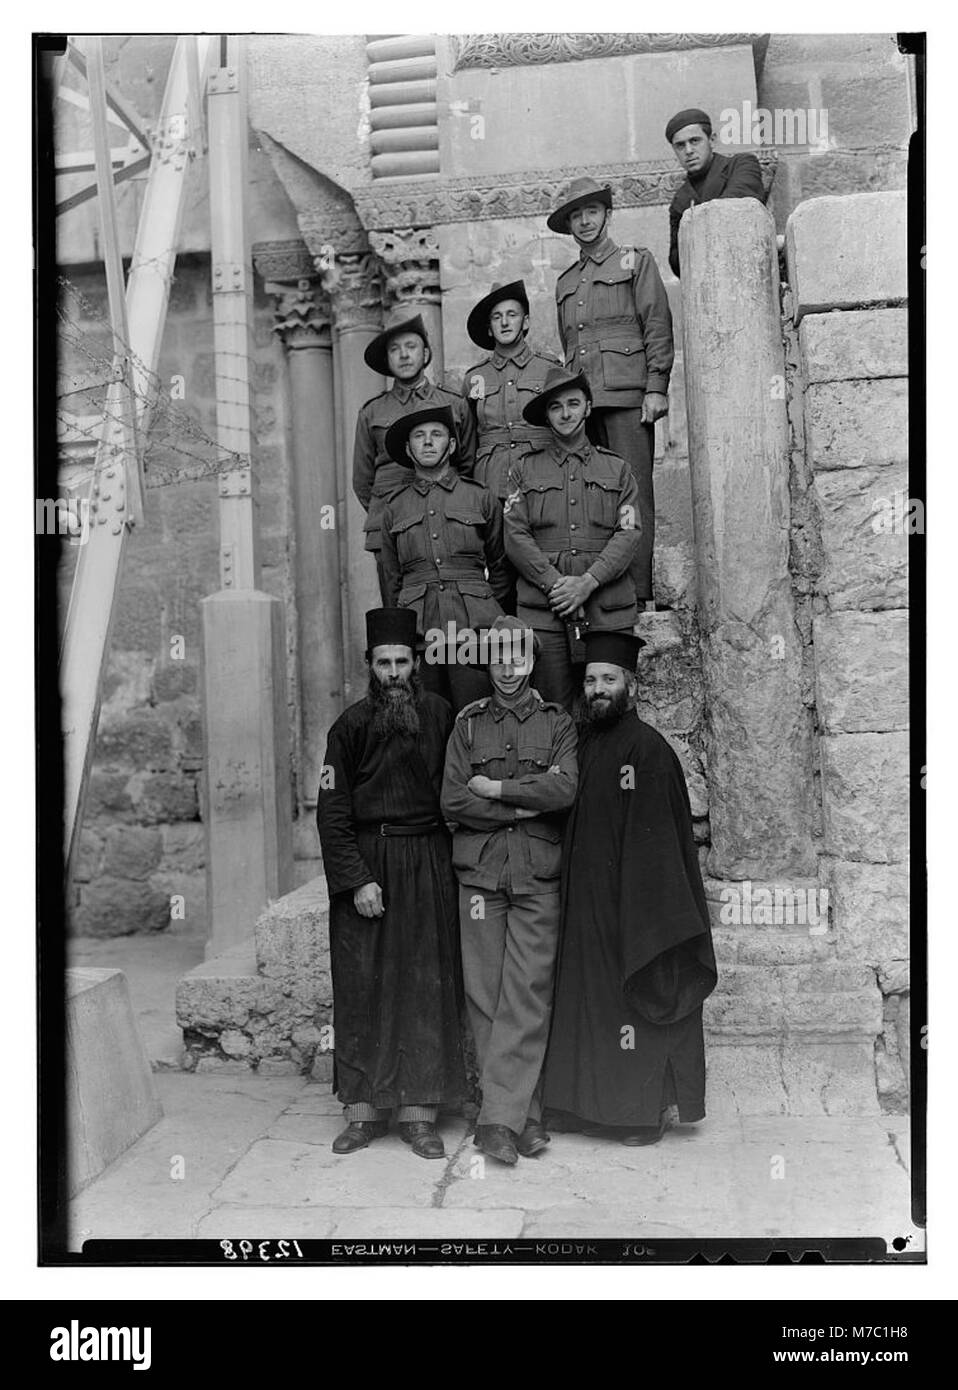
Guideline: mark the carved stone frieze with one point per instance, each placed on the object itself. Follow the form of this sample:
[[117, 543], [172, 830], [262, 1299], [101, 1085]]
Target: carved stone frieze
[[415, 204], [329, 233], [514, 50]]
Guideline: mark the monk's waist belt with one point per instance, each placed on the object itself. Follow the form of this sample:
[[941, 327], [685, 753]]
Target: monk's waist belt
[[387, 828]]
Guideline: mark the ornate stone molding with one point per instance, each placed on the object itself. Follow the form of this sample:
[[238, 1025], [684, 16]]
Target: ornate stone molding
[[410, 265], [329, 233], [283, 260], [421, 205], [303, 313], [514, 50], [354, 285]]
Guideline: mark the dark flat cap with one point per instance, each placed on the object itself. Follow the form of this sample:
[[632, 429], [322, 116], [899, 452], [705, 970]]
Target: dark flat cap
[[693, 116], [477, 324], [375, 354]]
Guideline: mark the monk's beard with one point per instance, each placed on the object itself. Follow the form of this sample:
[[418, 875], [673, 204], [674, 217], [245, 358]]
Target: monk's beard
[[396, 706], [603, 711]]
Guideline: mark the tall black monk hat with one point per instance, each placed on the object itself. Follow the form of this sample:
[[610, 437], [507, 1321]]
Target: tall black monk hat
[[693, 116], [579, 192], [397, 436], [557, 379], [391, 627], [477, 324], [615, 648], [375, 354]]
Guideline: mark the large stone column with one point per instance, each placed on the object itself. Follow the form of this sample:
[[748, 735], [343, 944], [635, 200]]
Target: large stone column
[[303, 324], [352, 282], [758, 735], [410, 269]]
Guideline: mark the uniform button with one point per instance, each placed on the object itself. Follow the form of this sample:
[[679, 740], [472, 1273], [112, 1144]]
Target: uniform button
[[512, 444], [571, 501], [508, 747], [582, 325], [511, 828], [432, 511], [572, 526], [581, 302], [442, 588], [573, 552], [435, 535], [571, 477]]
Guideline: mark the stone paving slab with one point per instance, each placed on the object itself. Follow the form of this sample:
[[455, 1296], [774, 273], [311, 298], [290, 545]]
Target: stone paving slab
[[258, 1163], [209, 1122]]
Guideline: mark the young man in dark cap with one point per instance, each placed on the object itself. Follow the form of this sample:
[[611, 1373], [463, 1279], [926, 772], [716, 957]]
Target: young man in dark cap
[[499, 386], [393, 918], [709, 174], [403, 353], [440, 534], [616, 326], [572, 529], [510, 776], [636, 958]]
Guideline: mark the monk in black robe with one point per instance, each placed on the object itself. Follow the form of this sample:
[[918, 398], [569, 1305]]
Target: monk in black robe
[[394, 904], [636, 958]]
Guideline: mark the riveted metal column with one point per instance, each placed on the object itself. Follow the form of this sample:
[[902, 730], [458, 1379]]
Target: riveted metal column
[[249, 802]]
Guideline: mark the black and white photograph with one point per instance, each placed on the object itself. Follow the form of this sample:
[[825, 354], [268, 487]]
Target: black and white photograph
[[480, 482]]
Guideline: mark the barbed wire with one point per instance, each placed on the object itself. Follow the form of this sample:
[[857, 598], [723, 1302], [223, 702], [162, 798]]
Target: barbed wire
[[169, 426]]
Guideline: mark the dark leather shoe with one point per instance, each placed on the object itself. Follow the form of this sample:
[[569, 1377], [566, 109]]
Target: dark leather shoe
[[533, 1139], [498, 1141], [647, 1134], [422, 1137], [358, 1134]]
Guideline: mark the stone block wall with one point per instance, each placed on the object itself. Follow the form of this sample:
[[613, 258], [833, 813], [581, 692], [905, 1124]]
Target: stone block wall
[[862, 82], [849, 477], [142, 840]]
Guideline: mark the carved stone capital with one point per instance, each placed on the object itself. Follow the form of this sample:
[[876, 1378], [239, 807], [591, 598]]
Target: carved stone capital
[[354, 285], [329, 232], [303, 313], [282, 260], [410, 265], [514, 50]]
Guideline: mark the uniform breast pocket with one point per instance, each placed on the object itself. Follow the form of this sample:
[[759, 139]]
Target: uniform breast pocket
[[601, 500], [409, 535], [623, 366], [486, 759], [489, 404], [464, 530], [612, 291], [534, 757], [544, 505]]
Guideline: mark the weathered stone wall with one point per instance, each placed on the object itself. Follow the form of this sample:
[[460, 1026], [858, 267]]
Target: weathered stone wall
[[862, 82], [845, 314], [142, 840]]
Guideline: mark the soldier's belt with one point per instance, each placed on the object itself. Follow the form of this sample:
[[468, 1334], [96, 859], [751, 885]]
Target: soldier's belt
[[390, 828], [431, 574], [536, 438]]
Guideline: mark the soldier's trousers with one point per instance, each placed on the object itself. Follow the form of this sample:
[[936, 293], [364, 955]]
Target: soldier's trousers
[[622, 431], [508, 968], [555, 677]]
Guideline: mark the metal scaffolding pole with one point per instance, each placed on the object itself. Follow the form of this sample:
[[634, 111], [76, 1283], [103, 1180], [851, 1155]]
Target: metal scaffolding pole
[[115, 490]]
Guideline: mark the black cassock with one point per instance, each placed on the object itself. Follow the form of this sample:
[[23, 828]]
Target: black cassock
[[636, 958], [396, 978]]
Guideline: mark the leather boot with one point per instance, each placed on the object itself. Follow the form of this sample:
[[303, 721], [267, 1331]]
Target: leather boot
[[422, 1137], [533, 1139], [498, 1141], [358, 1134]]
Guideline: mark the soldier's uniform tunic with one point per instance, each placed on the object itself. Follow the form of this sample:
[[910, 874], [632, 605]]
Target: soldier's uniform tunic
[[438, 539], [375, 475], [496, 390], [568, 513], [615, 325], [510, 867]]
